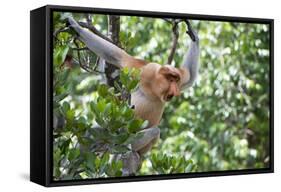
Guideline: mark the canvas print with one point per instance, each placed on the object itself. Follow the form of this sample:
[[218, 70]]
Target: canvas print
[[138, 96]]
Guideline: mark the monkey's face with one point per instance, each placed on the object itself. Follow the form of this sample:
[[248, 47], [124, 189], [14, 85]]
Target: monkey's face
[[168, 80], [161, 82]]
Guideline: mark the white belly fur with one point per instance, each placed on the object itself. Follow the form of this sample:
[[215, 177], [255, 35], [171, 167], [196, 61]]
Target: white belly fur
[[147, 108]]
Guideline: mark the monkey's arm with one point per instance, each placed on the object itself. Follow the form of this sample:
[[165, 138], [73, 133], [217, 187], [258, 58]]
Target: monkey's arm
[[147, 139], [103, 48], [191, 60]]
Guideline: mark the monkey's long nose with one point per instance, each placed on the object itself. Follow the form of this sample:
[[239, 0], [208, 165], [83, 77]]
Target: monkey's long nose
[[174, 90]]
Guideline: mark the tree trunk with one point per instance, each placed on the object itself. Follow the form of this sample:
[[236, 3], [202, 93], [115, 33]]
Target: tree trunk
[[112, 72], [131, 160]]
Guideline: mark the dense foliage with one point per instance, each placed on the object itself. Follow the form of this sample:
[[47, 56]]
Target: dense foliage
[[221, 123]]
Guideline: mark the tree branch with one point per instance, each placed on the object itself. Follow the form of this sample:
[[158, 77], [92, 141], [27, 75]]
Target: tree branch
[[174, 42], [89, 19], [60, 30], [174, 23], [80, 48], [86, 67], [113, 33], [56, 32]]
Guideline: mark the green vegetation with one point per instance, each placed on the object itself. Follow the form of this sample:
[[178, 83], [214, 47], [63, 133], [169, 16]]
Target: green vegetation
[[221, 123]]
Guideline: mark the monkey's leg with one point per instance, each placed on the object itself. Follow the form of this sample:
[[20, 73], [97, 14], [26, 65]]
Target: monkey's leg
[[147, 140], [132, 159]]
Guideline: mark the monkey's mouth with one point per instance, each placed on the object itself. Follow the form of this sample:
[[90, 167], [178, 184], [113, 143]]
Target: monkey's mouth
[[168, 97]]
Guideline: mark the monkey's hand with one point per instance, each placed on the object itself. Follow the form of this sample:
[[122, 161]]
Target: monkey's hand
[[147, 139], [192, 34], [70, 22]]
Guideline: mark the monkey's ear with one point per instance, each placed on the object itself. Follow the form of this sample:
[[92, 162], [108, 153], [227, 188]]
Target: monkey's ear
[[103, 48]]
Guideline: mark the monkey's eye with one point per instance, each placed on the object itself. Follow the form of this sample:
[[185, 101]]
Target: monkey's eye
[[173, 79], [169, 78]]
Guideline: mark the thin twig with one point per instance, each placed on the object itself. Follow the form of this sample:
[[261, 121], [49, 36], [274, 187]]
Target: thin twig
[[83, 66], [88, 25], [174, 23], [86, 67], [89, 19], [63, 29], [80, 48]]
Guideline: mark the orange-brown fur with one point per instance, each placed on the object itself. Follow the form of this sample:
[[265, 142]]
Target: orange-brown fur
[[158, 84]]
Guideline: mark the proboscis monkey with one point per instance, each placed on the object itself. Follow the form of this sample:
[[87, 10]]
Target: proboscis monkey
[[158, 83]]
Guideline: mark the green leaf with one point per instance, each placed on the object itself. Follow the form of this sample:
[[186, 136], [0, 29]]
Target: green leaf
[[90, 157], [104, 163], [101, 105], [73, 154], [103, 90], [189, 167], [127, 113], [93, 107], [119, 149], [100, 121], [97, 162], [108, 109], [144, 124], [60, 97], [65, 107], [130, 78], [57, 155], [81, 122], [119, 166], [133, 84], [70, 114], [60, 54], [122, 36], [135, 125], [120, 138]]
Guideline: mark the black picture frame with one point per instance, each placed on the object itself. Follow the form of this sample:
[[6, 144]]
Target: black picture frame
[[41, 94]]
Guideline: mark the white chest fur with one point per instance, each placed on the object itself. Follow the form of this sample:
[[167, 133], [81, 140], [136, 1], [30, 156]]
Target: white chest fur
[[147, 108]]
